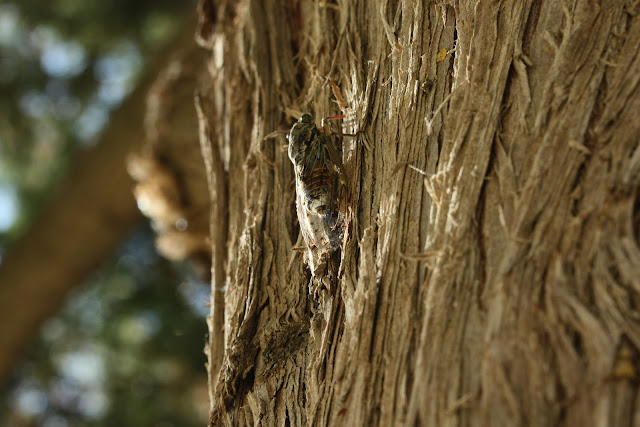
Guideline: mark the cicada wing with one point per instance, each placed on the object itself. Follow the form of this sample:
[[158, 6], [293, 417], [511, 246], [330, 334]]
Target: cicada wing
[[333, 156], [303, 219], [315, 155]]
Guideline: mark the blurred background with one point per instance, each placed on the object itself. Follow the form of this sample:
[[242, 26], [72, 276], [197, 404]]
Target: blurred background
[[126, 348]]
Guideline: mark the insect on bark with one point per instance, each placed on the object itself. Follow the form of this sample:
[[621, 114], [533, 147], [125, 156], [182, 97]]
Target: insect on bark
[[319, 173]]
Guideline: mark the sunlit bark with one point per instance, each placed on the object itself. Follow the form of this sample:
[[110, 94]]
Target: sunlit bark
[[490, 270]]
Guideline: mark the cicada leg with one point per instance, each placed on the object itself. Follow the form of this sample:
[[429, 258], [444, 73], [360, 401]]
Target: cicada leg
[[323, 122]]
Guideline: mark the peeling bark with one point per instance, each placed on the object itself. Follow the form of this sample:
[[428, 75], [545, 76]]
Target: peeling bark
[[490, 269]]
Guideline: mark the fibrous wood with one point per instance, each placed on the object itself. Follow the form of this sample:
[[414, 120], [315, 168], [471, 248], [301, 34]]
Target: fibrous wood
[[490, 269]]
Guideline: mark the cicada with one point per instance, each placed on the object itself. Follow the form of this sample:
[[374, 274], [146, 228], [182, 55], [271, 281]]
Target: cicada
[[319, 174]]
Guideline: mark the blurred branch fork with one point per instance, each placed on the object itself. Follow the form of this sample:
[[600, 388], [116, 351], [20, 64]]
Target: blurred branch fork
[[93, 209]]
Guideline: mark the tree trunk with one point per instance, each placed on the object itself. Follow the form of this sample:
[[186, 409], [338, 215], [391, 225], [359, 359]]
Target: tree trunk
[[489, 271]]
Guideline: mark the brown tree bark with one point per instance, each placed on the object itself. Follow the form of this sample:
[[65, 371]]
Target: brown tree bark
[[490, 269]]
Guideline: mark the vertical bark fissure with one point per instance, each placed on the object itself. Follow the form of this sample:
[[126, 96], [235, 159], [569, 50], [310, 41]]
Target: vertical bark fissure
[[218, 235]]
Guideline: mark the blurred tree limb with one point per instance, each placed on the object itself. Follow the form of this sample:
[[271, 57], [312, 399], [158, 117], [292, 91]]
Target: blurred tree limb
[[85, 219]]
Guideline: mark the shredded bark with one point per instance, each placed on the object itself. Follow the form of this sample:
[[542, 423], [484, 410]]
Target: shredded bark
[[489, 273]]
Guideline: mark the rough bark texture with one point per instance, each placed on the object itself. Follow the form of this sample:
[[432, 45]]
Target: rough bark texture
[[490, 270]]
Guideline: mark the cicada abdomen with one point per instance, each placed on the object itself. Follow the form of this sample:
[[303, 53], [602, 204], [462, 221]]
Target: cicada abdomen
[[318, 170]]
